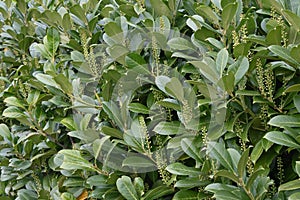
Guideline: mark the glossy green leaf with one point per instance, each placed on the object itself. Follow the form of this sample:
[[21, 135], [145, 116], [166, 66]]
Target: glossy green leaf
[[218, 152], [228, 174], [291, 185], [282, 53], [138, 162], [181, 169], [292, 18], [243, 163], [169, 128], [228, 14], [138, 108], [180, 44], [221, 61], [281, 139], [158, 192], [285, 121], [186, 195], [126, 188], [72, 160]]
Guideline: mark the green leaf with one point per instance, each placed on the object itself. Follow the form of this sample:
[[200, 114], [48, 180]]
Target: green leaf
[[78, 12], [285, 121], [72, 160], [12, 112], [139, 185], [126, 188], [112, 132], [229, 11], [247, 93], [180, 44], [97, 180], [174, 87], [64, 83], [208, 13], [138, 162], [282, 53], [243, 163], [160, 8], [169, 128], [158, 192], [137, 63], [5, 133], [208, 71], [228, 174], [181, 169], [67, 196], [295, 52], [294, 196], [24, 194], [281, 139], [241, 71], [189, 147], [292, 18], [191, 182], [297, 102], [291, 185], [217, 151], [222, 59], [46, 79], [293, 88], [186, 195], [13, 101], [138, 108], [53, 40]]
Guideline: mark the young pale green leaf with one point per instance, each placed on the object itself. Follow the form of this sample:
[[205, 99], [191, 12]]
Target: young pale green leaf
[[180, 44], [281, 139], [282, 53], [243, 163], [285, 121], [138, 108], [297, 167], [138, 162], [181, 169], [73, 161], [291, 185], [186, 195], [222, 59], [247, 93], [126, 188], [292, 18], [229, 11], [158, 192], [217, 151], [67, 196]]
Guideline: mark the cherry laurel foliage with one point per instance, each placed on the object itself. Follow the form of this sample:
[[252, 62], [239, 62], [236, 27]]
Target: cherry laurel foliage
[[118, 99]]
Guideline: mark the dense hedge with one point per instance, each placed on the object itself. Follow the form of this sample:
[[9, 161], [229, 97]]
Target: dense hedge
[[150, 99]]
